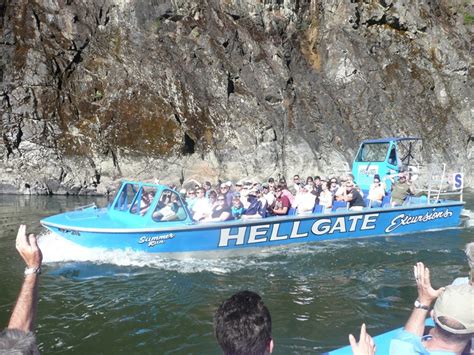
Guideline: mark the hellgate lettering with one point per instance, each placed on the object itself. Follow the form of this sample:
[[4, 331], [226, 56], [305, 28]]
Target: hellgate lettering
[[272, 233]]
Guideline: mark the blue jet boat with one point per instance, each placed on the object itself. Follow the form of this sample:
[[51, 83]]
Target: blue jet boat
[[163, 224]]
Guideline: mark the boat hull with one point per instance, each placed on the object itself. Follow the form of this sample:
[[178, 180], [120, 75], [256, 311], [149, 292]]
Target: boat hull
[[263, 232]]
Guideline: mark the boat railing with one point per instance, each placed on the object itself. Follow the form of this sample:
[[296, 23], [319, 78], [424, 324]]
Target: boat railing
[[436, 183]]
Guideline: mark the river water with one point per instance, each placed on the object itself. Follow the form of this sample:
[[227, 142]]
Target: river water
[[117, 302]]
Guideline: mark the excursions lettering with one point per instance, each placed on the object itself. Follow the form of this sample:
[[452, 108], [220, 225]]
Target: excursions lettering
[[403, 219], [272, 233]]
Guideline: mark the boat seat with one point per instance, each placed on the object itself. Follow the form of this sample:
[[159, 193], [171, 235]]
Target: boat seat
[[318, 208], [292, 211], [340, 206], [386, 201]]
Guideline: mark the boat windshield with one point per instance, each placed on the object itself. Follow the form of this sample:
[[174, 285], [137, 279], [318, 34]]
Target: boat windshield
[[169, 208], [144, 200], [373, 152], [126, 197]]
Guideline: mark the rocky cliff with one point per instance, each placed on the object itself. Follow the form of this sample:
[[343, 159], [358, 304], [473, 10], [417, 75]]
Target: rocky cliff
[[93, 91]]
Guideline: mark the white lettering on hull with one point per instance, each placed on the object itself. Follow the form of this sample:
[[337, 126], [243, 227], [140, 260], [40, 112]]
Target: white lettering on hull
[[266, 232], [404, 220]]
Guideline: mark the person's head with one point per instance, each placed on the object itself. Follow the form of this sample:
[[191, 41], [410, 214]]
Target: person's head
[[271, 182], [376, 179], [207, 185], [212, 196], [191, 193], [453, 313], [200, 192], [224, 188], [309, 180], [236, 200], [333, 182], [265, 188], [349, 185], [239, 185], [317, 180], [243, 325], [221, 200], [402, 179], [325, 185], [296, 179], [279, 189]]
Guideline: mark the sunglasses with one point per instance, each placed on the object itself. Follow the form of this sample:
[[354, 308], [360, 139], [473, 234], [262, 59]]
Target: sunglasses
[[220, 199]]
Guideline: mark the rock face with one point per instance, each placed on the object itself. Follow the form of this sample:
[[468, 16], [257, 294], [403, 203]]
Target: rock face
[[93, 91]]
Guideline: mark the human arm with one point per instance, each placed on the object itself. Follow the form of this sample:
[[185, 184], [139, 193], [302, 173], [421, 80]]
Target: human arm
[[24, 313], [365, 346], [426, 296]]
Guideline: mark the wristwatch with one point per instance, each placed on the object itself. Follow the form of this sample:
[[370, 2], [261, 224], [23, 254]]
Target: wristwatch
[[420, 305], [32, 270]]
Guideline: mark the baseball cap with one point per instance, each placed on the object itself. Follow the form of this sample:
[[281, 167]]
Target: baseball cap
[[457, 304]]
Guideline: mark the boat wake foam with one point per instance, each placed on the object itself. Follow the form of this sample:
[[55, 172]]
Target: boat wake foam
[[468, 217], [56, 249]]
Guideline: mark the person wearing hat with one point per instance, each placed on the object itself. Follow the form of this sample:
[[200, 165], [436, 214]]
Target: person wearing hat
[[453, 315], [400, 190], [257, 205], [237, 207]]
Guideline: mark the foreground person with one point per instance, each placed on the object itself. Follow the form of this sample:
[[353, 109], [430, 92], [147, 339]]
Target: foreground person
[[243, 325], [18, 337], [453, 315]]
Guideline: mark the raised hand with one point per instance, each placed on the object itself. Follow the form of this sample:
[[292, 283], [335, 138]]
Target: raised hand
[[365, 346], [27, 247]]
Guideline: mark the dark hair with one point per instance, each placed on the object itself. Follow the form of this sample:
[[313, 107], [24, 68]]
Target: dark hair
[[309, 178], [317, 177], [448, 336], [271, 180], [212, 194], [280, 186], [243, 324]]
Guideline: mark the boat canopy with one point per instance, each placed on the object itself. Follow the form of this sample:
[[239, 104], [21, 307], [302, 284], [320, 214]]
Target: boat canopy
[[383, 156]]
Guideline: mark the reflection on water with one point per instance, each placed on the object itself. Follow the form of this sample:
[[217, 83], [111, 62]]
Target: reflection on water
[[109, 301]]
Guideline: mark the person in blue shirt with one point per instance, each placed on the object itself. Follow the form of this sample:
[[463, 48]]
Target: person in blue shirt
[[453, 315]]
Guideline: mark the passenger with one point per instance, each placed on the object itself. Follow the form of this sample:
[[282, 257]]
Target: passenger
[[201, 208], [237, 206], [305, 200], [282, 203], [147, 199], [296, 185], [207, 187], [220, 212], [453, 315], [334, 186], [244, 193], [225, 190], [256, 208], [243, 325], [269, 195], [310, 181], [376, 192], [271, 184], [212, 199], [326, 197], [190, 198], [285, 192], [355, 199], [318, 187], [401, 189]]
